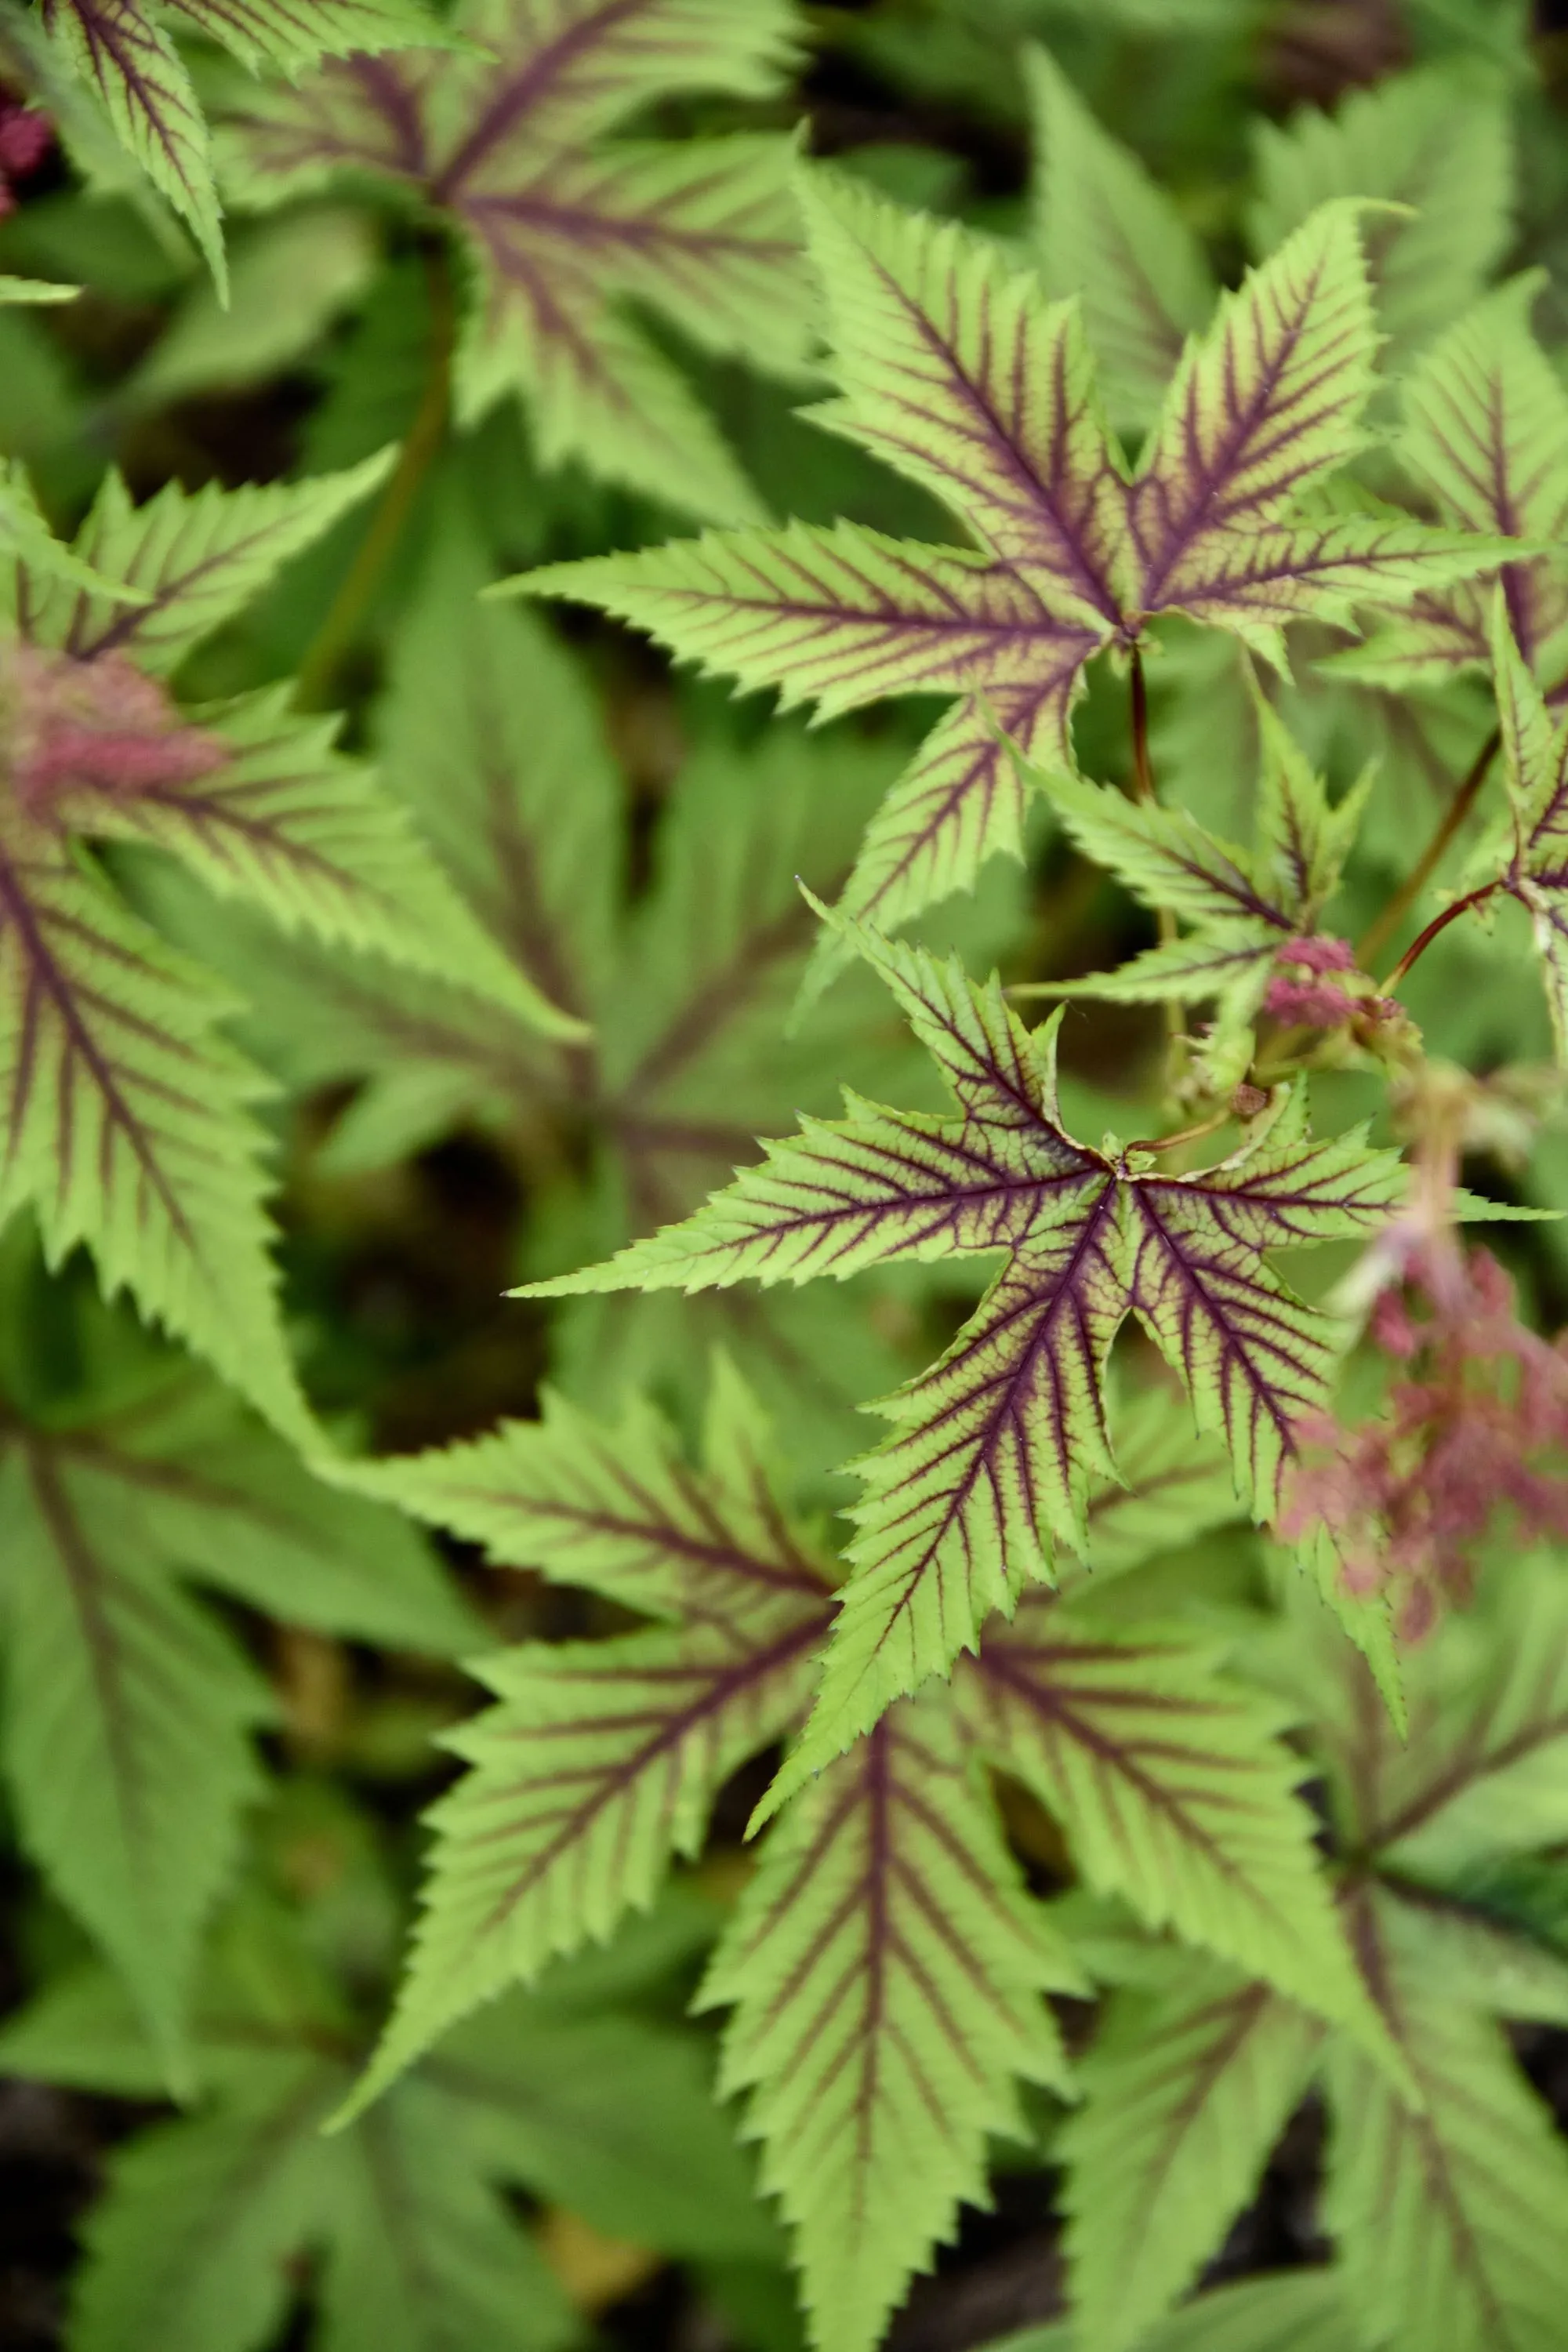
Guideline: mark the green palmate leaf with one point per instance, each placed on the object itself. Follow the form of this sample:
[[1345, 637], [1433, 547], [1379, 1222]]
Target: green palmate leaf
[[1174, 1788], [1105, 232], [886, 1970], [1435, 142], [999, 1445], [1536, 872], [311, 840], [601, 1760], [124, 54], [1482, 1772], [1451, 2218], [1185, 2090], [1486, 430], [208, 2224], [25, 537], [126, 1117], [126, 1706], [954, 367], [565, 228], [488, 737], [132, 70], [1173, 1485], [1249, 911], [192, 558]]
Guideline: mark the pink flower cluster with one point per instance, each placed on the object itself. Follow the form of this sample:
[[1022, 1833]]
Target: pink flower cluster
[[100, 726], [1477, 1426], [1319, 1001]]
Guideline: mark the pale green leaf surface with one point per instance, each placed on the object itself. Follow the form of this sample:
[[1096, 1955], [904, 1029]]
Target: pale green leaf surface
[[132, 70], [310, 838], [886, 1971], [601, 1759], [1185, 2090], [1432, 141], [124, 1722], [1453, 2219], [194, 557], [1174, 1788], [1104, 231], [128, 1123]]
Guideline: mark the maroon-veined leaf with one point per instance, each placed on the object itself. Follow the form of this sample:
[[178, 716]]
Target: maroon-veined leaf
[[566, 229], [599, 1761], [1450, 2213], [952, 366], [132, 69], [1187, 2085], [1174, 1790], [1254, 914], [1484, 433], [1431, 148], [190, 560], [308, 837], [125, 1118], [1105, 231], [1535, 750], [885, 1970], [997, 1447]]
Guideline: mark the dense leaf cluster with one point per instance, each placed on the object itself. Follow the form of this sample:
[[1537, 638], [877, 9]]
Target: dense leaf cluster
[[1142, 1779]]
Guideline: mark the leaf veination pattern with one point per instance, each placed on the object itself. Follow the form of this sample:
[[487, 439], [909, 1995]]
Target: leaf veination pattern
[[564, 228], [1536, 752], [886, 1970], [600, 1760], [125, 1116], [126, 57], [997, 1445], [952, 366], [1251, 911], [1486, 432], [885, 1965]]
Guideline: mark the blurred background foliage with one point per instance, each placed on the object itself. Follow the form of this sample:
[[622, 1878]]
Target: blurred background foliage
[[431, 1155]]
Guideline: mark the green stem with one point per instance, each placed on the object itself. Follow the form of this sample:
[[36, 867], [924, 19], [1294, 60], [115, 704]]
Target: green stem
[[1143, 786], [1384, 927], [346, 612]]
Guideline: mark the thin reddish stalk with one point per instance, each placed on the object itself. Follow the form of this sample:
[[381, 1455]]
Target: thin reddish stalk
[[1439, 923]]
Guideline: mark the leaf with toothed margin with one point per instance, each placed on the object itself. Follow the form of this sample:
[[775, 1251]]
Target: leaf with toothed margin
[[997, 1445], [125, 1118], [1486, 432], [310, 838], [952, 366], [192, 558], [599, 1761], [1451, 2212], [885, 1969], [1174, 1788], [132, 68], [1188, 2083], [566, 228], [1246, 909], [1434, 147], [124, 54], [25, 537], [127, 1704], [1104, 231], [1535, 751]]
